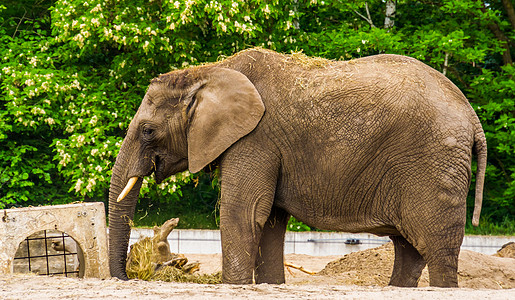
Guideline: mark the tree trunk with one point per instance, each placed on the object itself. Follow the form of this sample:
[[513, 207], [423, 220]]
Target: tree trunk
[[389, 20], [367, 18], [496, 30], [510, 11]]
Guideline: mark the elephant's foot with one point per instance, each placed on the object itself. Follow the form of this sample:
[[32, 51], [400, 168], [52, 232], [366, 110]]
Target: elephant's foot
[[237, 269], [403, 281], [442, 265], [227, 279], [408, 264], [273, 275], [443, 276]]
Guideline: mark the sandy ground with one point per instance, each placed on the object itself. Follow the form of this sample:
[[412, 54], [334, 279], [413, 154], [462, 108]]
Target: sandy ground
[[36, 287], [333, 285]]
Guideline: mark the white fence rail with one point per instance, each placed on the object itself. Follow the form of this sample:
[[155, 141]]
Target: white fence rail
[[311, 243]]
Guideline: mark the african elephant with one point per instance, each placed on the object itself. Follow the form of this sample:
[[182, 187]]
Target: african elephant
[[381, 144]]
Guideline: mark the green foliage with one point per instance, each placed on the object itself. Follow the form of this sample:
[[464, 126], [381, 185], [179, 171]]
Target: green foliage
[[295, 225], [72, 74], [195, 204], [493, 96], [488, 227]]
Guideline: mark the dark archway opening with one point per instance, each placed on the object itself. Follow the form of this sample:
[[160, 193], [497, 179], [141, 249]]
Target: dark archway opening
[[50, 252]]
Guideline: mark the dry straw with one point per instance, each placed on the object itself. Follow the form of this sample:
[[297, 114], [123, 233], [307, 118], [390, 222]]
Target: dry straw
[[142, 265], [306, 61]]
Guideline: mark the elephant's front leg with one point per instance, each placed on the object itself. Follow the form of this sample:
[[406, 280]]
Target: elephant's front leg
[[248, 190], [408, 264], [270, 258]]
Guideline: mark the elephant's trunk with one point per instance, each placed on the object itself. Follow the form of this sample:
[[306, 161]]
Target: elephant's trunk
[[120, 216]]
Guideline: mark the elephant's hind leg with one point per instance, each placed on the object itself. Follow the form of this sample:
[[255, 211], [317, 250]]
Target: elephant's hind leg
[[270, 258], [443, 267], [440, 242], [408, 264]]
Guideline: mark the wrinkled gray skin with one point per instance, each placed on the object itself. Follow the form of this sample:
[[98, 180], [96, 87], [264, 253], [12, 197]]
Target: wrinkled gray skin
[[381, 144]]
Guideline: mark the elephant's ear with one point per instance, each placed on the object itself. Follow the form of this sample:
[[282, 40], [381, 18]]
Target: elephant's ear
[[226, 108]]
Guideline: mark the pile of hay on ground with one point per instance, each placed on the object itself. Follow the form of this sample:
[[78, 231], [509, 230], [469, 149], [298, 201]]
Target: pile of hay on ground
[[141, 264], [151, 259]]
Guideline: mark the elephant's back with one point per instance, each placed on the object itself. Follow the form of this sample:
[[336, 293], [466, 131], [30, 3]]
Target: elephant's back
[[403, 76], [395, 89], [342, 103]]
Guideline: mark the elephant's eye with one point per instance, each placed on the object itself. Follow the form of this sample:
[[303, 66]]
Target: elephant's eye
[[148, 132]]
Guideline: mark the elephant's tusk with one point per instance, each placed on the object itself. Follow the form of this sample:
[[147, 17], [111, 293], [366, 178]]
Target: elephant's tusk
[[127, 188]]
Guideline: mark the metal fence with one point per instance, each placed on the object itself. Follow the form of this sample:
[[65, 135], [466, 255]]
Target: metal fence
[[34, 258]]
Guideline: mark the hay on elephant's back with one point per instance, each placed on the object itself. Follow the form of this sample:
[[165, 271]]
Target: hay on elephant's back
[[297, 57], [308, 61], [142, 265]]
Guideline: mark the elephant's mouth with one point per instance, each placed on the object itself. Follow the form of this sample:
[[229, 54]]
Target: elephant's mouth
[[158, 166], [167, 165], [159, 169], [162, 167]]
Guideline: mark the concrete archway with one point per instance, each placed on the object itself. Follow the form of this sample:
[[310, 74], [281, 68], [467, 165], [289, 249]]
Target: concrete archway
[[84, 222]]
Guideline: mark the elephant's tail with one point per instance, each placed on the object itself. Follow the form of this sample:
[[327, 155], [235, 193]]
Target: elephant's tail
[[480, 149]]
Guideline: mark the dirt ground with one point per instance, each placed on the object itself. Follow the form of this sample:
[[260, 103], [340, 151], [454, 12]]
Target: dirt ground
[[359, 275]]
